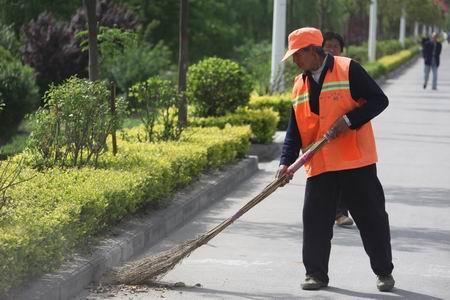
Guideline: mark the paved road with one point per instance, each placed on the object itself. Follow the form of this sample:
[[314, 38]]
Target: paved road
[[259, 256]]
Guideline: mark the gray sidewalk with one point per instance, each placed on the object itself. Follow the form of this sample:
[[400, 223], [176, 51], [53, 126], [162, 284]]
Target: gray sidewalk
[[259, 257]]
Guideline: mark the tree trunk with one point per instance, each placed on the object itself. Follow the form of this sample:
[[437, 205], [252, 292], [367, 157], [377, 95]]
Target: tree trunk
[[323, 14], [94, 68], [183, 62]]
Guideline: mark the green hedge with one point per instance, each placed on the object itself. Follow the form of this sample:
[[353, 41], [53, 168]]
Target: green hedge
[[263, 122], [392, 62], [389, 63], [384, 48], [279, 103], [375, 69], [58, 209]]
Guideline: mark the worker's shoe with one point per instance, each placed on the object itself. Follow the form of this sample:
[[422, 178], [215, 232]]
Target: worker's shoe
[[343, 220], [385, 283], [312, 283]]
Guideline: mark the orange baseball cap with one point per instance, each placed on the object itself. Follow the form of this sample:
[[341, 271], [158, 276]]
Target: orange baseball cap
[[302, 38]]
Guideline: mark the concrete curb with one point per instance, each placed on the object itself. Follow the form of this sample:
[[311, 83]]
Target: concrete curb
[[266, 152], [136, 233]]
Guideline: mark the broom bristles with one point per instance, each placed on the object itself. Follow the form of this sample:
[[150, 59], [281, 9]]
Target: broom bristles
[[154, 267]]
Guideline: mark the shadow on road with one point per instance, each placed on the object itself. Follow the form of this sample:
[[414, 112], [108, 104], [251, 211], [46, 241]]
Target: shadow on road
[[418, 196], [395, 294]]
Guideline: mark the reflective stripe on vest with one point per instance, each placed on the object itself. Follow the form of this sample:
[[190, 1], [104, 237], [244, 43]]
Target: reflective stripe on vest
[[353, 149]]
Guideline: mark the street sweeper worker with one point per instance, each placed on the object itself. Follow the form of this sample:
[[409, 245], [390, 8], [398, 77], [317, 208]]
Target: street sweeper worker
[[326, 101]]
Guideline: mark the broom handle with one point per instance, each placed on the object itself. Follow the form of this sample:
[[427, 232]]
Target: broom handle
[[269, 189], [308, 154]]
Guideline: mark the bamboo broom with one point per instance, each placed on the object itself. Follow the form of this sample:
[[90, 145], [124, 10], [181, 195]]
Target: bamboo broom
[[154, 267]]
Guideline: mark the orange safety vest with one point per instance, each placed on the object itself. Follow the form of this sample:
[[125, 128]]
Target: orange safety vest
[[356, 148]]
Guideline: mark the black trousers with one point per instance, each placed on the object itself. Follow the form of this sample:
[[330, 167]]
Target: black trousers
[[364, 196]]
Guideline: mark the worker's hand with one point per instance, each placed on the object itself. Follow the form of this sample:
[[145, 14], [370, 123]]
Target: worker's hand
[[283, 169], [339, 127]]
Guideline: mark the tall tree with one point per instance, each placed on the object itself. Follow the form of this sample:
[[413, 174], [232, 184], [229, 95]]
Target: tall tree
[[183, 61], [94, 66], [322, 11]]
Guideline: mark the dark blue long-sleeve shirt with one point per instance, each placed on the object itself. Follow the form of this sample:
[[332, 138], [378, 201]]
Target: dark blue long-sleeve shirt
[[361, 86]]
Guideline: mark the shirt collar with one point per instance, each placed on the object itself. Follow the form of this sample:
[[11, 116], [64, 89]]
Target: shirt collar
[[327, 65]]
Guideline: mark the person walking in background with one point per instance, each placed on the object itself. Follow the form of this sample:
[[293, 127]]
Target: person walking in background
[[431, 53], [325, 102], [333, 43]]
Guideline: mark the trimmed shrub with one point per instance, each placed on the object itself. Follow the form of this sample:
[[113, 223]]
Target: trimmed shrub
[[263, 122], [375, 69], [279, 103], [72, 128], [18, 92], [388, 47], [156, 101], [57, 210], [385, 47], [392, 62], [389, 63], [411, 42], [358, 53], [218, 86]]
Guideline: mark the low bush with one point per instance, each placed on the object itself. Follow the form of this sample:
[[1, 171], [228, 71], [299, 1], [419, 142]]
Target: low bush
[[263, 122], [384, 48], [218, 86], [59, 209], [391, 62], [358, 53], [375, 69], [411, 42], [156, 103], [71, 129], [388, 47], [279, 103]]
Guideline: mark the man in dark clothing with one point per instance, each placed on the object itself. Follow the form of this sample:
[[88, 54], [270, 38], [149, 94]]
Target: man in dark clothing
[[325, 90], [431, 52]]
